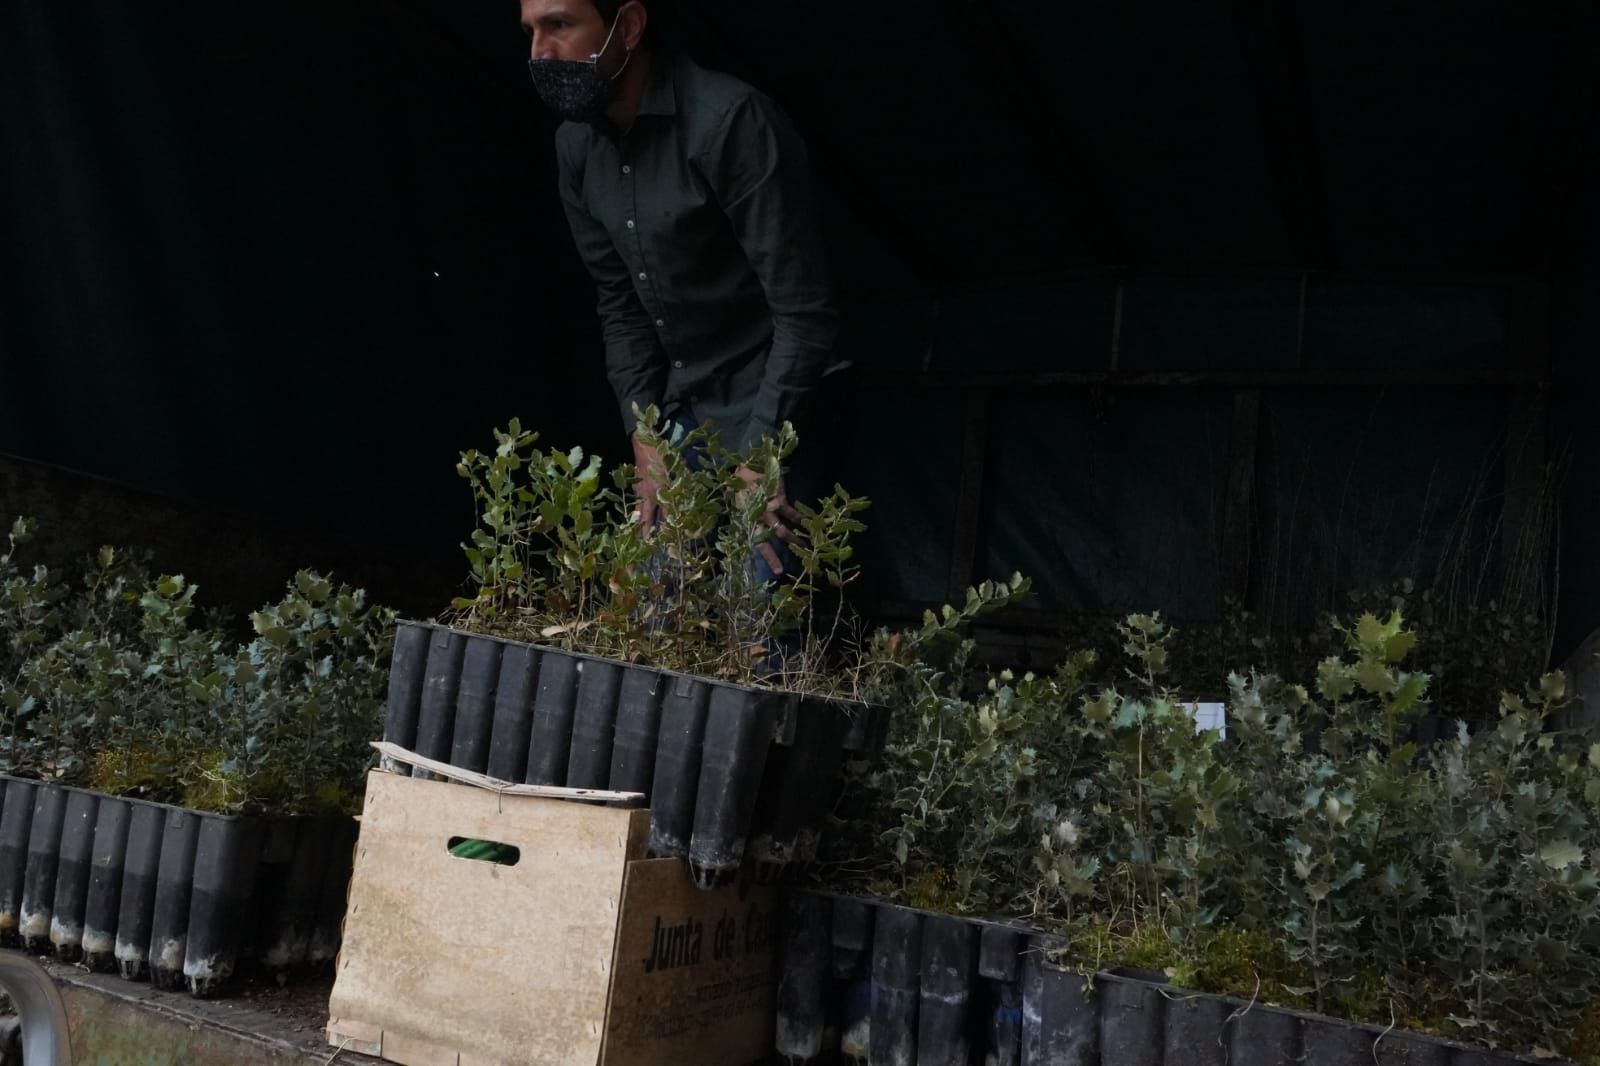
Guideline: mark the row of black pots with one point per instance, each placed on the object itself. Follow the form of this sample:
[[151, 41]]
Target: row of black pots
[[732, 772], [871, 982], [182, 898]]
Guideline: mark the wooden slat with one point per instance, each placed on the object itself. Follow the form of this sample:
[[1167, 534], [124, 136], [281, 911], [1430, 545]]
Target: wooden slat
[[505, 788]]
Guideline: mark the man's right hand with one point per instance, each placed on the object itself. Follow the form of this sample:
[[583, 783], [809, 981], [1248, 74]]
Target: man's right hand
[[650, 472]]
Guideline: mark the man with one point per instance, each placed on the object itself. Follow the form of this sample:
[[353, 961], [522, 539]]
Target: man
[[689, 200]]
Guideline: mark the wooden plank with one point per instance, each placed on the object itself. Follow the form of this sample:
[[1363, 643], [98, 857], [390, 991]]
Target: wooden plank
[[969, 494], [694, 974], [496, 963], [410, 1050], [505, 788], [346, 1034]]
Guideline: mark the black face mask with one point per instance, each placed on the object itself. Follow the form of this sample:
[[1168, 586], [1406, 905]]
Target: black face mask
[[574, 88]]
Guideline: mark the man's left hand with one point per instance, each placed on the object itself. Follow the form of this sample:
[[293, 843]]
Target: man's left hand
[[780, 517]]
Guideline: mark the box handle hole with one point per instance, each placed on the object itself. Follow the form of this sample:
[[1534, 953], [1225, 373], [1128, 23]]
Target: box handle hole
[[484, 851]]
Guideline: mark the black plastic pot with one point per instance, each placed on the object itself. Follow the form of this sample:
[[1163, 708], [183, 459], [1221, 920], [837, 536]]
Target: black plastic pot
[[999, 962], [104, 904], [738, 736], [1194, 1026], [949, 949], [408, 667], [513, 725], [73, 871], [797, 786], [957, 991], [1058, 1014], [289, 943], [182, 897], [638, 731], [554, 705], [680, 741], [732, 772], [333, 890], [803, 1012], [224, 876], [594, 723], [169, 928], [851, 934], [273, 866], [896, 986], [44, 856], [436, 710], [475, 703], [16, 820], [141, 861]]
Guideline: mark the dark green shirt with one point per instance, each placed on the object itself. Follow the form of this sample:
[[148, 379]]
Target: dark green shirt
[[699, 228]]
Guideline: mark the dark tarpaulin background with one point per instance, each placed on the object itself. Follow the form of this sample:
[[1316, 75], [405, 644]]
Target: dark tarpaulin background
[[289, 260]]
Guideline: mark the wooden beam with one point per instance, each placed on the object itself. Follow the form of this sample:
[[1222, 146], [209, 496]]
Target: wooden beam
[[398, 754], [1484, 279], [969, 496], [1250, 379]]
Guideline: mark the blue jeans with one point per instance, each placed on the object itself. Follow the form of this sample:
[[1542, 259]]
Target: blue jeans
[[798, 482]]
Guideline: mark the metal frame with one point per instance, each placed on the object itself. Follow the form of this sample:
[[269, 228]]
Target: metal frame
[[46, 1040]]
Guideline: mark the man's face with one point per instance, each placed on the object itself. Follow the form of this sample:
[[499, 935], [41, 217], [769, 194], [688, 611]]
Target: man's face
[[563, 29]]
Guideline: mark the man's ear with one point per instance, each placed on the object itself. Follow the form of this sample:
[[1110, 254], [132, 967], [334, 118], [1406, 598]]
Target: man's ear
[[634, 18]]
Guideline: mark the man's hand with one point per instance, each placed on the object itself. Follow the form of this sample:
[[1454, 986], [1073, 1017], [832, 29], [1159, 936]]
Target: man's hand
[[780, 517], [650, 472]]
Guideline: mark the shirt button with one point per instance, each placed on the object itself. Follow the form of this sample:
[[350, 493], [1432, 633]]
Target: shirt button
[[626, 169], [630, 223], [660, 322], [677, 364], [643, 276]]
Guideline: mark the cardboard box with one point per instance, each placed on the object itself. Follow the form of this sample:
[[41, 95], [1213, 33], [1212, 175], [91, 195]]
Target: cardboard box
[[583, 951]]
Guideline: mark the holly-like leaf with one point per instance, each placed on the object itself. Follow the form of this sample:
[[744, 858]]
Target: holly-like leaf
[[1559, 854]]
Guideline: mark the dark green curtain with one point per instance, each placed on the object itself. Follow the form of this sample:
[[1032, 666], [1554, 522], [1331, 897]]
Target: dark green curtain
[[292, 258], [287, 259]]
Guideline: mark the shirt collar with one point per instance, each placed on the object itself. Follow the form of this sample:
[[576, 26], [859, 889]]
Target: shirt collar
[[661, 92]]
